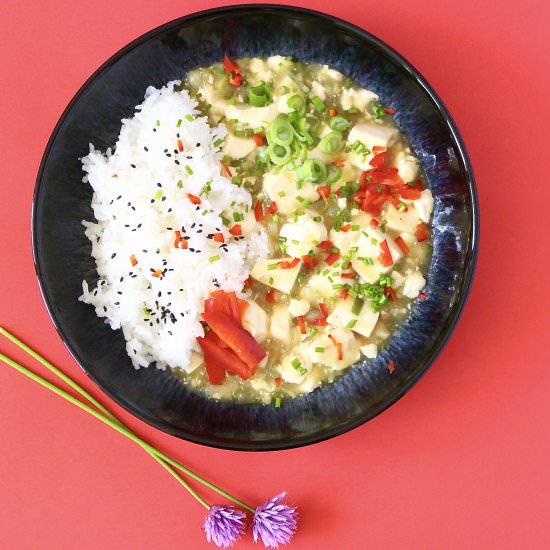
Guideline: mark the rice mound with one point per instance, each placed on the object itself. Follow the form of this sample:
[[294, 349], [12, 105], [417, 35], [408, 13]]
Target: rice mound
[[139, 202]]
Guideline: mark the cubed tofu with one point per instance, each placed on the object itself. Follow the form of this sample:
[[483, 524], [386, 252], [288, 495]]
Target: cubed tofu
[[318, 89], [424, 205], [406, 164], [277, 277], [281, 188], [358, 99], [303, 235], [295, 366], [280, 323], [369, 247], [369, 350], [238, 147], [259, 70], [329, 354], [282, 103], [298, 307], [253, 116], [401, 221], [195, 361], [342, 316], [414, 283], [372, 134], [255, 321]]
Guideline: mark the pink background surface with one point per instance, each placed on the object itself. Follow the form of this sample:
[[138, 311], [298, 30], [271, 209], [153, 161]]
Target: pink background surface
[[460, 462]]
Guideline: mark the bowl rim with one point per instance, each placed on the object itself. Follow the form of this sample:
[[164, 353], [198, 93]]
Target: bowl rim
[[458, 308]]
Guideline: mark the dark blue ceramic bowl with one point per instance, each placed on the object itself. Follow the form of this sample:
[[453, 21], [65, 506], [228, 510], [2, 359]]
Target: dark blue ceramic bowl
[[62, 252]]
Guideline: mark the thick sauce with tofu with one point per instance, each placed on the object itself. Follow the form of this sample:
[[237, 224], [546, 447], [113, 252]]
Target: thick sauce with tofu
[[341, 198]]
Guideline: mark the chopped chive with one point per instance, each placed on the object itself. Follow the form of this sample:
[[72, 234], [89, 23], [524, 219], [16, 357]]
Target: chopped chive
[[352, 323], [225, 221], [317, 219], [180, 184], [158, 195], [320, 350], [282, 193], [356, 228], [178, 124], [277, 402], [271, 267], [213, 259], [238, 217], [188, 169], [218, 142], [337, 287], [157, 123], [189, 118], [270, 280]]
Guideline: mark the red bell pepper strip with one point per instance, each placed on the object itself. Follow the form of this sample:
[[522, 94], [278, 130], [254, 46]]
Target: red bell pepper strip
[[259, 140], [235, 337], [219, 359], [378, 160], [258, 212]]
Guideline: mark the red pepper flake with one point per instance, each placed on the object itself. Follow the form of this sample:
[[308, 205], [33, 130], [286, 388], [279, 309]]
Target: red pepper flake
[[344, 293], [226, 169], [378, 148], [272, 209], [133, 260], [338, 347], [402, 245], [270, 296], [421, 232], [332, 258], [391, 366], [309, 262], [338, 163], [348, 275], [388, 291], [385, 257], [302, 324], [218, 237], [259, 140], [345, 228], [378, 160], [374, 223], [324, 192], [157, 273], [325, 245], [422, 296], [332, 112], [321, 321], [289, 265], [180, 146], [180, 242], [236, 230], [193, 198], [258, 212], [229, 66], [278, 381], [390, 110]]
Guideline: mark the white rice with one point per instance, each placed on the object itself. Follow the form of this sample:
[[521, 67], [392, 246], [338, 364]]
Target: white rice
[[160, 317]]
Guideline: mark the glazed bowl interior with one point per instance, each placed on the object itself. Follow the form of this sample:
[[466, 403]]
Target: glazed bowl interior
[[63, 254]]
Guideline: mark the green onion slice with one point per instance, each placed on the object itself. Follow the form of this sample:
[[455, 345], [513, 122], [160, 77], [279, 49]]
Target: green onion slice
[[338, 123], [331, 143]]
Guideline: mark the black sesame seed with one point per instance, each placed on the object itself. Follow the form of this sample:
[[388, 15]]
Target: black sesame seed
[[133, 165], [145, 149], [113, 255], [177, 162]]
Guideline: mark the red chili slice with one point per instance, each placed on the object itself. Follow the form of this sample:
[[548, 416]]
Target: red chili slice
[[180, 146], [230, 66], [378, 160], [270, 296], [409, 193], [324, 192], [133, 260], [325, 245], [226, 169], [391, 366], [218, 237], [338, 345], [421, 232], [236, 230], [385, 257], [289, 265], [345, 228], [388, 291], [309, 262], [259, 140], [374, 223], [193, 198], [272, 209], [236, 80], [332, 258], [218, 357], [302, 324], [258, 212], [323, 309], [402, 245]]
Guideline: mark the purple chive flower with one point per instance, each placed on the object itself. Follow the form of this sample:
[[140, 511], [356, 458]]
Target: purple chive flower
[[274, 523], [224, 525]]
